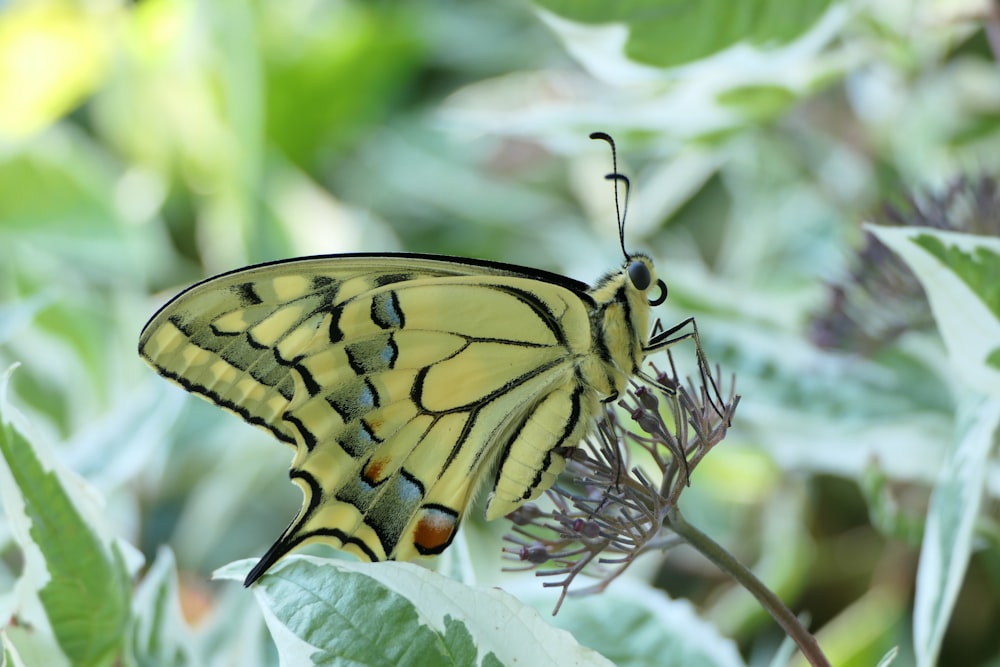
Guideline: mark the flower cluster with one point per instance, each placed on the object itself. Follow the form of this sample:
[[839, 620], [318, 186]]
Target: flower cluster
[[606, 511]]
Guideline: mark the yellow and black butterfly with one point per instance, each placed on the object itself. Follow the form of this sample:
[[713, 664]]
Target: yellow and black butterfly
[[406, 382]]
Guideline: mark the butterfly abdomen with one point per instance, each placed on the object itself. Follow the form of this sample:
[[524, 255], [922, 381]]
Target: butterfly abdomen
[[531, 460]]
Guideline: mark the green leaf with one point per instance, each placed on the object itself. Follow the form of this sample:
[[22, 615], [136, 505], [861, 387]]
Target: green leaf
[[78, 573], [670, 33], [331, 612]]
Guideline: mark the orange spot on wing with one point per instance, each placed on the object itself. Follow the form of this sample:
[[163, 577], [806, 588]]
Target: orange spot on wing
[[373, 472], [435, 530]]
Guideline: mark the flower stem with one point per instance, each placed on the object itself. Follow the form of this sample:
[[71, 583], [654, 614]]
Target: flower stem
[[727, 563]]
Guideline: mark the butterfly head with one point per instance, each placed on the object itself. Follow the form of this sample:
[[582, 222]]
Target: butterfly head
[[634, 286], [639, 270]]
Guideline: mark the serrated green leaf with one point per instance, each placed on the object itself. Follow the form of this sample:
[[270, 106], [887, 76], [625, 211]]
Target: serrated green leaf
[[82, 582], [332, 612]]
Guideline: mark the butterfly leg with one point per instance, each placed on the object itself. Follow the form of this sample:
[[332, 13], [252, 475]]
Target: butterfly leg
[[662, 340]]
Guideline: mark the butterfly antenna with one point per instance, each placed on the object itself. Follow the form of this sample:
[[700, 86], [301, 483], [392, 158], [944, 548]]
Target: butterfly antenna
[[621, 209]]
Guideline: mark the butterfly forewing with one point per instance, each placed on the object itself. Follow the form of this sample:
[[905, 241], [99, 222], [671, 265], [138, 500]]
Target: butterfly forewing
[[403, 382]]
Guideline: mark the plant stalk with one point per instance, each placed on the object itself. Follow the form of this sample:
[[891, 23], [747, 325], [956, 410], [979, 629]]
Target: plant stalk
[[727, 563]]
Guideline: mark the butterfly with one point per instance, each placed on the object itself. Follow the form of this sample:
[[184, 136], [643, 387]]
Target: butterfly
[[406, 382]]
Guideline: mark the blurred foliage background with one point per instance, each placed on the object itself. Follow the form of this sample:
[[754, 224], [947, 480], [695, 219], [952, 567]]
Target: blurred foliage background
[[145, 146]]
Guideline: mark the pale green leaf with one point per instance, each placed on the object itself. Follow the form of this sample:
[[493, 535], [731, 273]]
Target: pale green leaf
[[954, 508], [960, 274], [660, 631], [331, 612]]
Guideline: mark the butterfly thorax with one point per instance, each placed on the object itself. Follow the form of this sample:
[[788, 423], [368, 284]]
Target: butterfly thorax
[[619, 323]]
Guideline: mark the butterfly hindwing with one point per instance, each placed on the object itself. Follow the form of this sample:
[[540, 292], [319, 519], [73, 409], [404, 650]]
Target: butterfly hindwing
[[403, 383]]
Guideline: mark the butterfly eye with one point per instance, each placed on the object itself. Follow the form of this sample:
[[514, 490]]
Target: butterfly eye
[[638, 273], [663, 294]]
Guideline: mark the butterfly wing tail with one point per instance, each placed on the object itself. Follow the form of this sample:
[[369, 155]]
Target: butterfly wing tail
[[277, 551], [319, 520], [293, 535]]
